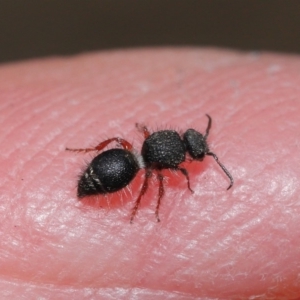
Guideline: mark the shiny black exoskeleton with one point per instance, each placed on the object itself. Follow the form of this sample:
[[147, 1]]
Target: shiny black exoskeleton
[[111, 170], [108, 172]]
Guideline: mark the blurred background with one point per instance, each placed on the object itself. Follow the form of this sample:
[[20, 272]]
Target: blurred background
[[39, 28]]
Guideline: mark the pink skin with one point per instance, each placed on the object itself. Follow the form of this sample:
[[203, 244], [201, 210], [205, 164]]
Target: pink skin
[[213, 244]]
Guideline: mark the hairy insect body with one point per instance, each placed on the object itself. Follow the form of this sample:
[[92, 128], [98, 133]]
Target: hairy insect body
[[196, 144], [163, 149], [108, 172], [114, 169]]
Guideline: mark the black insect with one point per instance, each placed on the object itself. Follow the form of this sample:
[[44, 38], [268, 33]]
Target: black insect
[[110, 171], [114, 169]]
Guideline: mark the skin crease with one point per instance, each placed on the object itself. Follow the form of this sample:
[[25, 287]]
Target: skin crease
[[214, 244]]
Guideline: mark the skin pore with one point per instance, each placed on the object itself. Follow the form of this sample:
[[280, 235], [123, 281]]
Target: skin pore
[[212, 244]]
